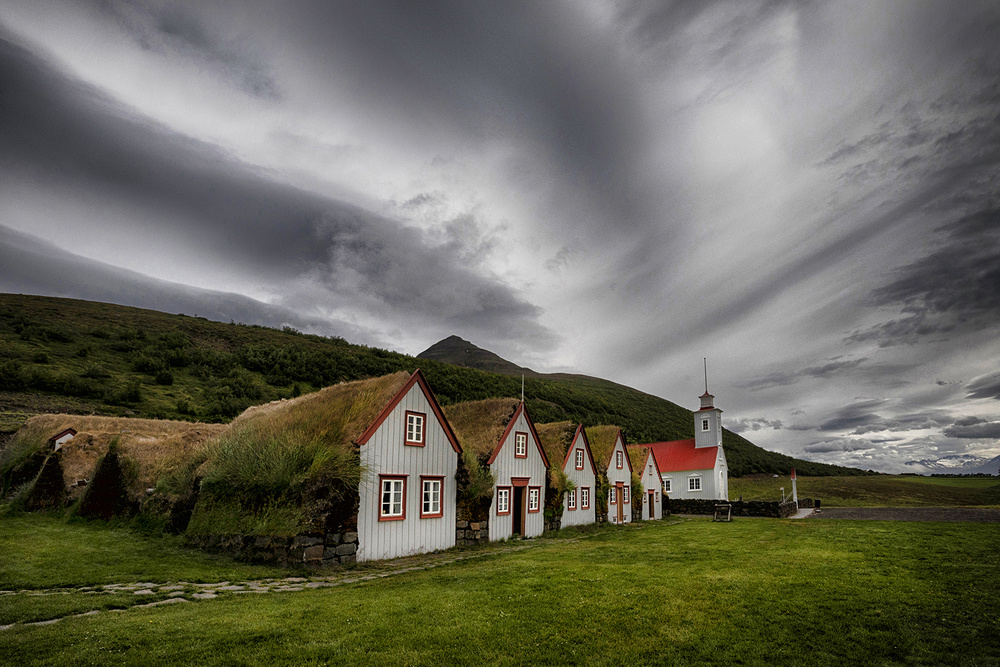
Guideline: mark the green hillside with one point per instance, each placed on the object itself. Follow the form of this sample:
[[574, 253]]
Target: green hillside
[[63, 355]]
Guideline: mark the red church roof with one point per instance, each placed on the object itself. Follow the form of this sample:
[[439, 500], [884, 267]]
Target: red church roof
[[680, 455]]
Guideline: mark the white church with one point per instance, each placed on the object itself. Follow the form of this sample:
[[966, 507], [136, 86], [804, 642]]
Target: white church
[[695, 468]]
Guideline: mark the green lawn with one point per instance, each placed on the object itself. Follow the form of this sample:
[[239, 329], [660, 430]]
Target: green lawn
[[875, 491], [751, 592]]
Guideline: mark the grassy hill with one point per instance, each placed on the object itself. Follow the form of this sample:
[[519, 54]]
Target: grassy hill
[[69, 356]]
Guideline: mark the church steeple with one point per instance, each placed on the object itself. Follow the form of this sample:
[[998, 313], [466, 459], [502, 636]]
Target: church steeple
[[707, 420]]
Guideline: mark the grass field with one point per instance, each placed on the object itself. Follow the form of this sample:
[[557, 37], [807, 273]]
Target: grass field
[[875, 491], [751, 592]]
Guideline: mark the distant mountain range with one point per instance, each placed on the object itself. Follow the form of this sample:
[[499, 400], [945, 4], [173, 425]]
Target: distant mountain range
[[959, 464]]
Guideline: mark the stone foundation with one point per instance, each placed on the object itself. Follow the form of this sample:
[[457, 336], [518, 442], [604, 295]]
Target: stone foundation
[[471, 532], [309, 550]]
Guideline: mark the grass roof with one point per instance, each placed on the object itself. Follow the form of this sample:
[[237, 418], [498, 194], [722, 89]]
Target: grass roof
[[479, 425], [155, 446], [556, 438], [334, 416], [602, 443], [637, 455]]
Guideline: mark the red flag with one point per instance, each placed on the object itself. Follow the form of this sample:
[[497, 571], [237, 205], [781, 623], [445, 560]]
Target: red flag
[[793, 473]]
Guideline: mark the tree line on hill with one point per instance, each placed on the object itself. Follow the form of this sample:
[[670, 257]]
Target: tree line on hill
[[101, 358]]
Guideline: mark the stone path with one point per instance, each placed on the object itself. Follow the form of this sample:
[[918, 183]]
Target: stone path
[[182, 591]]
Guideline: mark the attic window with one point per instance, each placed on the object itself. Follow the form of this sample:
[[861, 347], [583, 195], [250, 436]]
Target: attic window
[[619, 460], [579, 459], [393, 506], [704, 424], [521, 445], [415, 428], [694, 484]]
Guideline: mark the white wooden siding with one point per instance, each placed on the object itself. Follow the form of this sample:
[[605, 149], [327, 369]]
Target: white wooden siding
[[582, 478], [619, 475], [385, 454], [651, 482], [504, 467]]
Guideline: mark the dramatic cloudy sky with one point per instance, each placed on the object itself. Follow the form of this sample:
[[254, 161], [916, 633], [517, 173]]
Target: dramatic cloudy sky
[[805, 193]]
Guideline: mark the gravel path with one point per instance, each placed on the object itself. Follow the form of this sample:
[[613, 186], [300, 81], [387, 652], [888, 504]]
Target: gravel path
[[974, 514]]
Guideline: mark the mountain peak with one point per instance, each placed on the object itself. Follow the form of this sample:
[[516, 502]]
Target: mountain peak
[[460, 352]]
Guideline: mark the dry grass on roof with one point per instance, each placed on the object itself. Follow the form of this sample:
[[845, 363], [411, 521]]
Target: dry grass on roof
[[153, 445], [556, 439], [602, 443], [637, 455], [480, 424], [334, 416]]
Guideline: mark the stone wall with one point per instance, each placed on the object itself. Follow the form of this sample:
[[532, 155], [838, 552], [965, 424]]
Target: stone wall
[[774, 509], [310, 550], [471, 532]]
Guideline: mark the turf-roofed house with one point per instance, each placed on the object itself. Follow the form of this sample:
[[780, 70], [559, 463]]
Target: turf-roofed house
[[608, 446], [696, 467], [572, 471], [501, 437], [644, 465], [372, 460]]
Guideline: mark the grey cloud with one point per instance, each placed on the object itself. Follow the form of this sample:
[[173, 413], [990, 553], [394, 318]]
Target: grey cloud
[[81, 139], [907, 422], [33, 266], [753, 424], [832, 368], [839, 445], [987, 386], [979, 430], [955, 289], [853, 416]]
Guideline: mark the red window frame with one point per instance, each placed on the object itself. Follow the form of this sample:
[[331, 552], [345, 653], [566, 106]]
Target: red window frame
[[626, 494], [619, 460], [382, 479], [440, 512], [585, 497], [571, 500], [579, 459], [501, 489], [423, 429], [517, 435], [537, 491], [614, 496]]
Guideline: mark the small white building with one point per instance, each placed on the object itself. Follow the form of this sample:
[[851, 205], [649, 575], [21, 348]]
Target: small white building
[[644, 464], [409, 456], [566, 446], [695, 468], [516, 459], [608, 446]]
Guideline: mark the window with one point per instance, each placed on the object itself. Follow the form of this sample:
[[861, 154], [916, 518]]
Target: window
[[666, 485], [619, 460], [625, 492], [534, 494], [585, 498], [571, 500], [414, 428], [579, 459], [521, 445], [430, 497], [393, 506], [614, 496], [704, 424], [694, 484], [503, 500]]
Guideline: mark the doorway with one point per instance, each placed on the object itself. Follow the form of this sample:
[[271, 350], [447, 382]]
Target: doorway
[[517, 514], [619, 497]]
